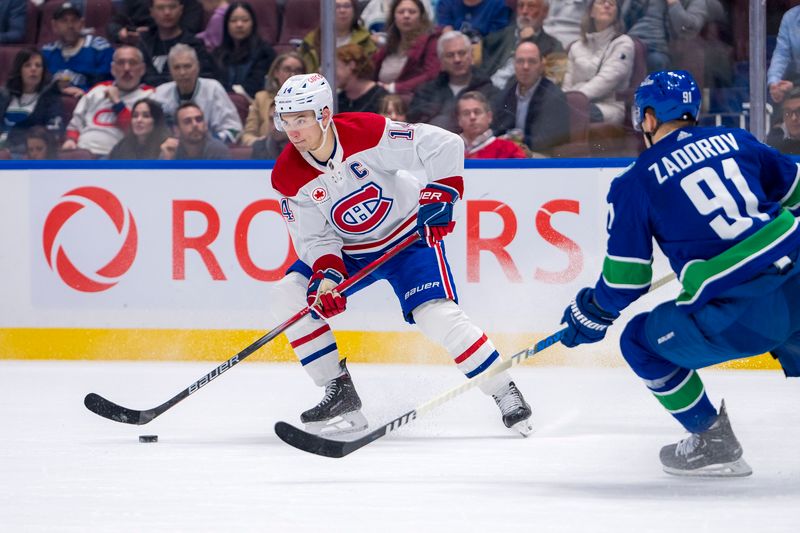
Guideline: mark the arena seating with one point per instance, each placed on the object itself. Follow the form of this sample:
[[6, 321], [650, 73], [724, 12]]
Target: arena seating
[[7, 54], [299, 18], [32, 23], [268, 16], [241, 104]]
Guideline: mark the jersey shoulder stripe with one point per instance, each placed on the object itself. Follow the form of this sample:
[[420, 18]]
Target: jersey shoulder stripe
[[359, 131], [291, 172]]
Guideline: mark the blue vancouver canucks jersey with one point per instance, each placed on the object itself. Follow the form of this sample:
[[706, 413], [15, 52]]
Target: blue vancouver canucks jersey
[[718, 204]]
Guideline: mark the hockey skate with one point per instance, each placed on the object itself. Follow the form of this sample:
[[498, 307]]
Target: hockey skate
[[516, 411], [713, 453], [339, 411]]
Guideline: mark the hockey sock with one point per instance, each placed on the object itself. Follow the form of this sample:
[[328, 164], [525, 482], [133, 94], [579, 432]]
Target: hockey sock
[[444, 322], [312, 339], [682, 394], [316, 349]]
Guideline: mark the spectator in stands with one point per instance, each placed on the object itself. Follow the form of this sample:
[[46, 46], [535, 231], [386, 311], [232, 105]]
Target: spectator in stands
[[194, 140], [656, 22], [102, 116], [259, 117], [474, 18], [243, 58], [78, 62], [786, 137], [784, 67], [474, 118], [532, 104], [148, 130], [499, 46], [393, 107], [564, 20], [223, 119], [13, 17], [435, 101], [212, 34], [409, 58], [601, 62], [271, 145], [354, 73], [30, 98], [376, 12], [348, 31], [132, 19], [40, 144], [158, 41]]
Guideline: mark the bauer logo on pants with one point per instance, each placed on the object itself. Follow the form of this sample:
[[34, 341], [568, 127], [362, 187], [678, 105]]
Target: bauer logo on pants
[[56, 251], [362, 211]]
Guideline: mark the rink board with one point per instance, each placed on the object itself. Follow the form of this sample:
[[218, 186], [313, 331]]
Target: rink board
[[174, 261]]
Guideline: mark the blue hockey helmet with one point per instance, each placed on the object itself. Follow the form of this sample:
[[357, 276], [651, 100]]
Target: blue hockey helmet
[[671, 94]]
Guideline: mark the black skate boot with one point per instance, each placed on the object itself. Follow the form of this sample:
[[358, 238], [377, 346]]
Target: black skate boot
[[712, 453], [516, 411], [340, 409]]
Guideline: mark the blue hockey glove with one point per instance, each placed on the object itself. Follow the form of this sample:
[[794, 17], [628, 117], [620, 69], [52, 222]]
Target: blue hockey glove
[[321, 295], [586, 321], [435, 215]]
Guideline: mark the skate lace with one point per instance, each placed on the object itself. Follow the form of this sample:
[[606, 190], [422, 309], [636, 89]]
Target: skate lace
[[687, 445], [330, 392], [509, 401]]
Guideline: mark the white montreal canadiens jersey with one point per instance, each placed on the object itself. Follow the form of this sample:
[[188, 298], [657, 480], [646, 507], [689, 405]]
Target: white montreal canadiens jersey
[[365, 198]]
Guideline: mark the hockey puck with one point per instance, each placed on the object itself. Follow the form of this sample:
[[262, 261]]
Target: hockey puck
[[148, 438]]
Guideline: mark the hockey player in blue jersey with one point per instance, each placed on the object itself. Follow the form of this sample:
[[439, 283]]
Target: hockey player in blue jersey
[[718, 203]]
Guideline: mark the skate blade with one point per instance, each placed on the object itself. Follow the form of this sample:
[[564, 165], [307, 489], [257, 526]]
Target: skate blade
[[738, 468], [351, 422], [523, 427]]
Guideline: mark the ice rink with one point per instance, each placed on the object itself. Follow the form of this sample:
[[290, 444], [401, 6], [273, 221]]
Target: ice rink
[[591, 466]]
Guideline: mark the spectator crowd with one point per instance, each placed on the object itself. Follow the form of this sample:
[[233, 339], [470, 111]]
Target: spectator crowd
[[195, 79]]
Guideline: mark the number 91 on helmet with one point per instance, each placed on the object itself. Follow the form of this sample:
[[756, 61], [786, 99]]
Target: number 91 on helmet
[[671, 94]]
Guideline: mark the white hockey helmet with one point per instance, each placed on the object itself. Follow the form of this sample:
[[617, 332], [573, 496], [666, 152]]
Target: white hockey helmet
[[304, 92]]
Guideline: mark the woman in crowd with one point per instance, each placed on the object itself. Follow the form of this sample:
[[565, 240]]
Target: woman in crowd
[[259, 117], [243, 58], [354, 76], [409, 58], [30, 98], [393, 107], [147, 131], [40, 144], [600, 63], [348, 31]]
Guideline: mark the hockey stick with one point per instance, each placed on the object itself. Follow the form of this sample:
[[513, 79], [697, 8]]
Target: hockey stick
[[108, 409], [318, 445]]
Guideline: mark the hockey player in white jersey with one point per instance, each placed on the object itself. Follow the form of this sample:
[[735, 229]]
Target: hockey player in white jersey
[[354, 185]]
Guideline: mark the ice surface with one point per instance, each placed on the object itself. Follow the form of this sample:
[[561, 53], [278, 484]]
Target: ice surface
[[591, 466]]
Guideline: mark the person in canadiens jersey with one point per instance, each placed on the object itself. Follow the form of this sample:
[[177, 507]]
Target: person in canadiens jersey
[[354, 185], [720, 206]]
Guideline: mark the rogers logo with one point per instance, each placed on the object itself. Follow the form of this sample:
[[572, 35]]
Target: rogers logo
[[108, 275]]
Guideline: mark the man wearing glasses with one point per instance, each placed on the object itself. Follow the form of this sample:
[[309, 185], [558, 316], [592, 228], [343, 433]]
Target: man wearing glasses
[[785, 137]]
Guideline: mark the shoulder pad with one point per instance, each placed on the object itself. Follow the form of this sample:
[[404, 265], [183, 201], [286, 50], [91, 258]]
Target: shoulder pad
[[291, 172], [359, 131]]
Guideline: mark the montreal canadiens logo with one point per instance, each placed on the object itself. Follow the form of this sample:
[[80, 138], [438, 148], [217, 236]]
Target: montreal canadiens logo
[[362, 211], [108, 275]]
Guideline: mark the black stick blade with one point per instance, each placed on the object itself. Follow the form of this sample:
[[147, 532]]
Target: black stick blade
[[108, 409], [308, 442]]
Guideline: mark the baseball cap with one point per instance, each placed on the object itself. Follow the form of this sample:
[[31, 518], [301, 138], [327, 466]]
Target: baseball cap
[[67, 7]]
